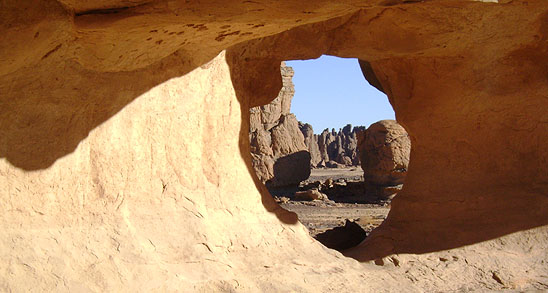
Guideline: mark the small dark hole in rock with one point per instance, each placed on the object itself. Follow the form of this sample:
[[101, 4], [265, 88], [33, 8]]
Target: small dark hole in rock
[[342, 238]]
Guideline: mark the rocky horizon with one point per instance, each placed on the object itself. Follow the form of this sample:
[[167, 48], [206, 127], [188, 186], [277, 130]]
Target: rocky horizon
[[333, 149], [284, 149]]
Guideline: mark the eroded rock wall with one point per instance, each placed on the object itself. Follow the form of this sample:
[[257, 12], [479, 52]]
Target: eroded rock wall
[[311, 142], [467, 182], [145, 202], [125, 145], [339, 149], [278, 148], [275, 133]]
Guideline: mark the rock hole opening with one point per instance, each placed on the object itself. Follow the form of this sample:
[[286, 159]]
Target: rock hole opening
[[320, 176]]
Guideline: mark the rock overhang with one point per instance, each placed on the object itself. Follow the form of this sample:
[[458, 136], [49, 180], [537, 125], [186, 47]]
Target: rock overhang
[[450, 69]]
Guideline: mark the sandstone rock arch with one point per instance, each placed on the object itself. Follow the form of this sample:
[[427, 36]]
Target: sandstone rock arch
[[105, 187], [404, 89]]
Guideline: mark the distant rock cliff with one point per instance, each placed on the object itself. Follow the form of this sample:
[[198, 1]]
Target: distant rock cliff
[[280, 155], [284, 149], [339, 149]]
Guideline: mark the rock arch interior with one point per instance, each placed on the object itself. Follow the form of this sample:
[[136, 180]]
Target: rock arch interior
[[125, 156]]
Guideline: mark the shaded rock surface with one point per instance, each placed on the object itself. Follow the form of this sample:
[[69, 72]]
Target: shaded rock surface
[[278, 148], [384, 153], [337, 149], [343, 237], [125, 160], [290, 170]]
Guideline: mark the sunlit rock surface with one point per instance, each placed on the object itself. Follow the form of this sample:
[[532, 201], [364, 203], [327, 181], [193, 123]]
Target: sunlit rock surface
[[384, 154], [279, 152], [125, 145]]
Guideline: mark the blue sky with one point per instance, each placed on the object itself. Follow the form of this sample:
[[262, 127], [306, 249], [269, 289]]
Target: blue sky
[[331, 92]]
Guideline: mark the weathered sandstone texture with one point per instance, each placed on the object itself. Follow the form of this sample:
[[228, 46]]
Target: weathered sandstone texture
[[384, 150], [311, 142], [278, 148], [339, 149], [273, 135], [125, 158]]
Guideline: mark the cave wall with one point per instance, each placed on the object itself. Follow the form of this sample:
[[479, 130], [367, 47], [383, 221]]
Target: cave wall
[[475, 114], [145, 202], [125, 152]]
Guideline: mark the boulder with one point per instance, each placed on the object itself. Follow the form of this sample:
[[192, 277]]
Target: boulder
[[311, 194], [333, 164], [344, 160], [384, 155], [290, 170]]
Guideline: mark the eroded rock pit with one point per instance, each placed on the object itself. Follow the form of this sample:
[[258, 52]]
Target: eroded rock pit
[[125, 145]]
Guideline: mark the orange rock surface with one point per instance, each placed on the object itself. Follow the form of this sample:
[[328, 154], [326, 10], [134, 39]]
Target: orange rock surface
[[125, 158]]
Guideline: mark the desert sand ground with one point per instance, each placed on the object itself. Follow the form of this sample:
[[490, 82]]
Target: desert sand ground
[[320, 216], [350, 174]]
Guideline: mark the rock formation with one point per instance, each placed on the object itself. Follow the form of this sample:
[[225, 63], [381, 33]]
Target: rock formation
[[278, 148], [125, 158], [310, 194], [311, 142], [332, 149], [384, 154], [339, 149], [284, 149]]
